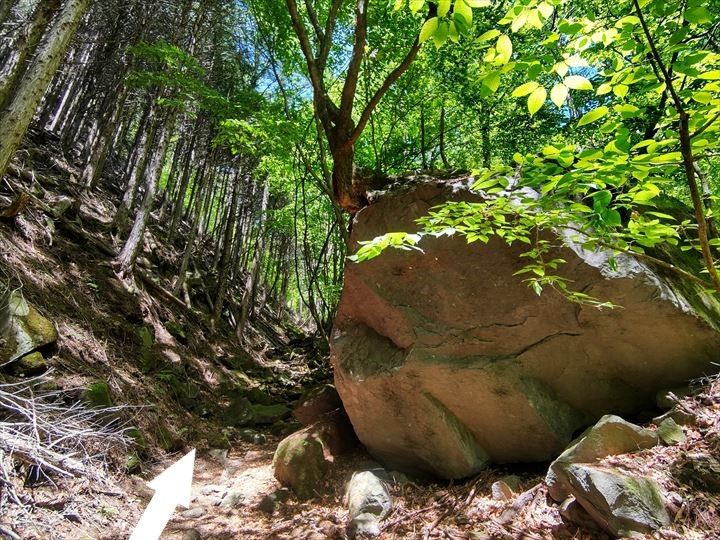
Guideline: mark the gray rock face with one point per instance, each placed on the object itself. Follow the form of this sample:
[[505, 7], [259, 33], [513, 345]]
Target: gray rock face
[[368, 502], [620, 504], [446, 362]]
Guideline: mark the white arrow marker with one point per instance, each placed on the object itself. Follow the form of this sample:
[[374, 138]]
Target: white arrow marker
[[172, 488]]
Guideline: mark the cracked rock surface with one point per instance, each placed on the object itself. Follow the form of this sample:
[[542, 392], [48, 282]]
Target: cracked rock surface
[[446, 362]]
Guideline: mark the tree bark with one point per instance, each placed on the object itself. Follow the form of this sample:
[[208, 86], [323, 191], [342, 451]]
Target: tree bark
[[125, 263], [18, 114], [24, 47], [252, 281]]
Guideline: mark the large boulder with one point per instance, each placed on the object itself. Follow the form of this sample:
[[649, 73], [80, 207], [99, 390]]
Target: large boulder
[[446, 362]]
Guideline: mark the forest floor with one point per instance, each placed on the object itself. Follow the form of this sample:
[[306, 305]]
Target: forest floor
[[173, 381]]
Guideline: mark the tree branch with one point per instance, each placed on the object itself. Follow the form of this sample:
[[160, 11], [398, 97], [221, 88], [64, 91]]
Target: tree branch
[[353, 72]]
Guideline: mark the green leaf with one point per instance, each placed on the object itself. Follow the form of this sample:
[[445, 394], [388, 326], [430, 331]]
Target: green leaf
[[504, 48], [461, 8], [559, 94], [612, 218], [710, 75], [698, 15], [620, 90], [398, 5], [492, 80], [546, 10], [577, 82], [487, 36], [416, 5], [536, 100], [441, 34], [454, 34], [428, 29], [525, 89], [443, 6], [478, 3], [593, 116], [601, 199]]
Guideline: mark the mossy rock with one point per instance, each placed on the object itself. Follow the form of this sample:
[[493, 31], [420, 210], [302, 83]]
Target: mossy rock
[[31, 364], [98, 395], [177, 331], [146, 337], [269, 414], [168, 439], [133, 464], [28, 331], [137, 437], [217, 439], [299, 463]]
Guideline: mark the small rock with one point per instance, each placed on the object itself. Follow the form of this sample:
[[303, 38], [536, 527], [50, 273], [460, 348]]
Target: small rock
[[233, 499], [610, 436], [27, 330], [368, 502], [211, 488], [316, 402], [619, 503], [670, 433], [257, 438], [364, 526], [300, 463], [31, 364], [680, 417], [269, 503], [513, 481], [268, 414], [501, 491], [194, 513], [192, 534]]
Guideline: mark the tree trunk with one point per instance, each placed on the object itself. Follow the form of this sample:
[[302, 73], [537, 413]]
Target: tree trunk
[[24, 47], [17, 116], [443, 157], [225, 262], [6, 7], [252, 281], [125, 263]]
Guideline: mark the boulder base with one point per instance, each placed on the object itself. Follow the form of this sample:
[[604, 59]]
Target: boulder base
[[446, 362]]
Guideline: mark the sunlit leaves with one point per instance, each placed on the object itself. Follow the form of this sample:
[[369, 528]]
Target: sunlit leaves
[[504, 49], [559, 94], [428, 29], [593, 116], [525, 89], [577, 82], [536, 100]]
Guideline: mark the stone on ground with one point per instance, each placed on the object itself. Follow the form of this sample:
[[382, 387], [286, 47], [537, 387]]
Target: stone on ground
[[316, 402], [610, 436], [25, 330], [621, 504], [446, 362], [300, 463], [670, 432], [368, 501]]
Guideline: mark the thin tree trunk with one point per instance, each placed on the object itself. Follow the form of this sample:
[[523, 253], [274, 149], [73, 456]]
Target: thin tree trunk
[[25, 46], [6, 7], [252, 281], [225, 262], [443, 157], [18, 114], [125, 263]]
